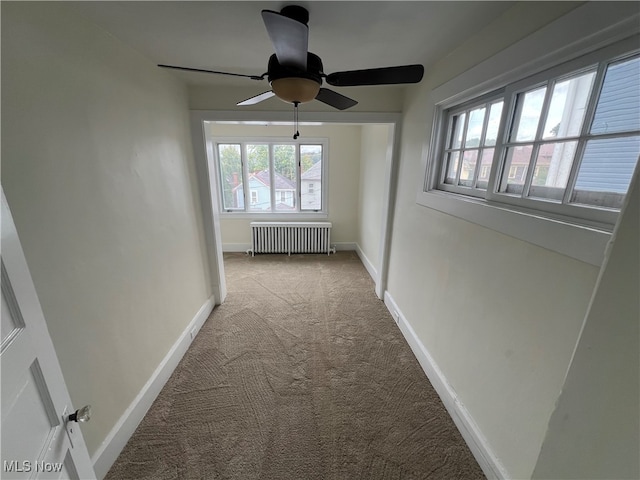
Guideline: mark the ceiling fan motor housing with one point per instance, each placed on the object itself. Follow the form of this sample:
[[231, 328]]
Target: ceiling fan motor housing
[[296, 12], [296, 75], [293, 85]]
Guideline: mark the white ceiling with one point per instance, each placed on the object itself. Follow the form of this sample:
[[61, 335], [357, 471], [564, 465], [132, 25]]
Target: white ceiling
[[347, 35]]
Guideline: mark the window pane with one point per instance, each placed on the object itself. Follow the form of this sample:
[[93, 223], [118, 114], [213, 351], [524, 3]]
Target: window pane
[[457, 127], [494, 123], [529, 108], [452, 167], [515, 169], [485, 168], [231, 176], [608, 164], [259, 177], [474, 129], [552, 169], [618, 108], [284, 158], [567, 107], [469, 160], [311, 177]]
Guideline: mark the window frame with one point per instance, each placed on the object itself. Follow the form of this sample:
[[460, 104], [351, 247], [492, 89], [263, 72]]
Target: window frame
[[592, 215], [554, 230], [603, 217], [440, 170], [246, 211]]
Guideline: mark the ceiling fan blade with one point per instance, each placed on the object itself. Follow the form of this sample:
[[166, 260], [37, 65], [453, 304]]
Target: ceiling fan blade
[[335, 99], [290, 39], [377, 76], [257, 98], [252, 77]]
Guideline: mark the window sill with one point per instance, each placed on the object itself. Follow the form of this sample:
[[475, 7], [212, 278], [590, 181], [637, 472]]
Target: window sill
[[584, 243], [275, 217]]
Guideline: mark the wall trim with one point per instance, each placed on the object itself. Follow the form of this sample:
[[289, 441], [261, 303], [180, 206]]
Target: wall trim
[[367, 264], [344, 246], [582, 242], [236, 247], [119, 435], [243, 247], [471, 433]]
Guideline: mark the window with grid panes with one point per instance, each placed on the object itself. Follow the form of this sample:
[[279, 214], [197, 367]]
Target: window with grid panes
[[566, 141], [276, 171], [472, 133]]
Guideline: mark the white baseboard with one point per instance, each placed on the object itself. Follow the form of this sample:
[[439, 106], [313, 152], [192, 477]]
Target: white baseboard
[[343, 246], [236, 247], [119, 435], [367, 264], [478, 444], [243, 247]]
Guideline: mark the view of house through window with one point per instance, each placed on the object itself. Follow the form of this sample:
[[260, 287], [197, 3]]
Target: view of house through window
[[281, 177], [311, 177], [471, 144], [569, 139]]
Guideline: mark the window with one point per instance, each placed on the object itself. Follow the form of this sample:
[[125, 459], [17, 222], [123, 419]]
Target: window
[[564, 142], [471, 139], [283, 177]]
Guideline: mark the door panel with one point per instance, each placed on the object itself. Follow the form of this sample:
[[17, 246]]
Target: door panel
[[35, 401], [8, 324], [11, 320]]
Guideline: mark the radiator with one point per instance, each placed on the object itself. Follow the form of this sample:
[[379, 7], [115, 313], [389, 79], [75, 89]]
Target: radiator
[[291, 237]]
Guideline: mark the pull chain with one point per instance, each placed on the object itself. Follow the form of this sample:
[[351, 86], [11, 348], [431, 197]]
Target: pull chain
[[295, 120]]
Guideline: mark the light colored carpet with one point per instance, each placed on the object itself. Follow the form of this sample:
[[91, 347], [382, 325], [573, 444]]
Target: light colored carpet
[[301, 374]]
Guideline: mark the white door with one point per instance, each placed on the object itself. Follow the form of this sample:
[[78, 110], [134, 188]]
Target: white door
[[37, 439]]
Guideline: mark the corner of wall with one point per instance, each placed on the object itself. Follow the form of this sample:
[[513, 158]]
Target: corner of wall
[[471, 433], [108, 451]]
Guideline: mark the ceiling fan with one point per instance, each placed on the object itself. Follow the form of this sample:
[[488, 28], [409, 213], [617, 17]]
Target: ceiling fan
[[296, 75]]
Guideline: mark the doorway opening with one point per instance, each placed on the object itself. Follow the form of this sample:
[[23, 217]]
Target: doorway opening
[[357, 181]]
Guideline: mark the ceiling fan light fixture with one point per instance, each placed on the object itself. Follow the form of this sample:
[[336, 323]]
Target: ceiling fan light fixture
[[296, 75], [295, 89]]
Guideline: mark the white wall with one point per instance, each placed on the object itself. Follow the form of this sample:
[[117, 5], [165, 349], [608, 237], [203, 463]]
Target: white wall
[[344, 168], [373, 159], [499, 316], [595, 429], [98, 171]]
